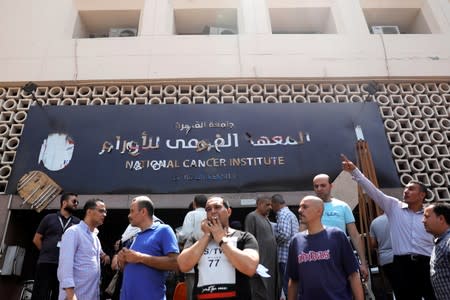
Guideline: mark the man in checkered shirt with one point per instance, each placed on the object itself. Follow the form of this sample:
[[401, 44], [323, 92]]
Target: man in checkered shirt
[[287, 227], [436, 219]]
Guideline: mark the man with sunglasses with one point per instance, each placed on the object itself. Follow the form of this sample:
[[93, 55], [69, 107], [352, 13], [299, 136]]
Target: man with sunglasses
[[48, 240]]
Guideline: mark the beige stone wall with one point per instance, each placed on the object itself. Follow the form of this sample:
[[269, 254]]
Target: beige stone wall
[[415, 115], [38, 40]]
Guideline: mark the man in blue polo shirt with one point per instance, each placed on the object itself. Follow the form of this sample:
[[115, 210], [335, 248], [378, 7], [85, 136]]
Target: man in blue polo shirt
[[154, 251]]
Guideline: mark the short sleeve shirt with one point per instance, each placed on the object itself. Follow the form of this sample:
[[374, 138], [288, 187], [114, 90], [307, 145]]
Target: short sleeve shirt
[[143, 282], [338, 214], [52, 228], [215, 278], [321, 263]]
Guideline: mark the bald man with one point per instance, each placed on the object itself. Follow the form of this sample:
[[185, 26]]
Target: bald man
[[338, 214], [321, 264], [153, 251]]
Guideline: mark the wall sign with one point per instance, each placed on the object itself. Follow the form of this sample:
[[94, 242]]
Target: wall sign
[[197, 149]]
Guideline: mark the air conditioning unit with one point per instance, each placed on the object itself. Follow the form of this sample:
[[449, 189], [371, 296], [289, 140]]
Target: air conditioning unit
[[122, 32], [97, 35], [385, 30], [221, 30], [12, 265]]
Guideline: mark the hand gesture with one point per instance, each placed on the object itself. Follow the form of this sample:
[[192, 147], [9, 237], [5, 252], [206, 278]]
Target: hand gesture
[[347, 165], [216, 228], [106, 260], [204, 226], [129, 256]]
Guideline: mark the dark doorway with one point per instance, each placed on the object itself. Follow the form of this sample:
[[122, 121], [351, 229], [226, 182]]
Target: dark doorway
[[23, 225]]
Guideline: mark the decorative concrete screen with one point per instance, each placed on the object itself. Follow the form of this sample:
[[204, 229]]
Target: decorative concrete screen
[[415, 114]]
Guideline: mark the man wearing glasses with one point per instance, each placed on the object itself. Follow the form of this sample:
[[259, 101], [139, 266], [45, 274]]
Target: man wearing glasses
[[48, 240], [81, 255]]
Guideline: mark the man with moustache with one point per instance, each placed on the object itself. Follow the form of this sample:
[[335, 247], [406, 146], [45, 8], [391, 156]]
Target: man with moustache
[[436, 220], [153, 252], [321, 264], [224, 258], [411, 244], [257, 223], [80, 257], [48, 240]]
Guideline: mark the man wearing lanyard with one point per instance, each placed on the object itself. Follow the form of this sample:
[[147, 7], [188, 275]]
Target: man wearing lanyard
[[47, 239], [411, 244]]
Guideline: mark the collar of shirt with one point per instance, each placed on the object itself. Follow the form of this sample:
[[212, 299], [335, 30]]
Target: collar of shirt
[[62, 217], [405, 206], [200, 209], [85, 227], [282, 209], [152, 227], [441, 237]]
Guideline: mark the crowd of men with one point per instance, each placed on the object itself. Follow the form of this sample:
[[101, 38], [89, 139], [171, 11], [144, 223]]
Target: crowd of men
[[310, 259]]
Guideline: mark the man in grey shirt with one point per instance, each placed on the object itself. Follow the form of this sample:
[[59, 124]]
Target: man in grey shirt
[[380, 237]]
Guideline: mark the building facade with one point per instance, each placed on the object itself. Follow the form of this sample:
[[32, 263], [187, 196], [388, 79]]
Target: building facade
[[88, 53]]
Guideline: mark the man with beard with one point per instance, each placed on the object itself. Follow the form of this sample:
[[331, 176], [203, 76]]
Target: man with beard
[[258, 224], [48, 240]]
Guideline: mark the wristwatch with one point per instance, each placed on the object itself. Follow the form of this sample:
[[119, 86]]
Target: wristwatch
[[224, 240]]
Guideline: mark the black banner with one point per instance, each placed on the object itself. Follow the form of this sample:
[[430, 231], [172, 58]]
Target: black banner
[[197, 149]]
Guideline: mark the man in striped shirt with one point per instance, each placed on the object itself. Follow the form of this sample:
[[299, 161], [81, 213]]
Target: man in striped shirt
[[436, 220], [287, 227], [80, 255]]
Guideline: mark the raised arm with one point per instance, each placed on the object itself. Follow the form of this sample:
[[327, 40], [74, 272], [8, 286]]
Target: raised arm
[[189, 257], [245, 261], [384, 201]]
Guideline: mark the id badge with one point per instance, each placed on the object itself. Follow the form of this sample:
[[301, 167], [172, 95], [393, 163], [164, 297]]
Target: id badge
[[58, 245]]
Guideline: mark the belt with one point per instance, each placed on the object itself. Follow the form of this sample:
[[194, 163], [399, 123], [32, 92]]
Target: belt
[[413, 257]]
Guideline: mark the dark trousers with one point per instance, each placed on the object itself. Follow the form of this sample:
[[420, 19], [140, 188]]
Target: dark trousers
[[388, 280], [284, 277], [46, 284], [412, 277]]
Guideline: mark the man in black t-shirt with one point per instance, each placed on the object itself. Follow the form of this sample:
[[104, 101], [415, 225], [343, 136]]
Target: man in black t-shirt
[[47, 239], [224, 258]]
